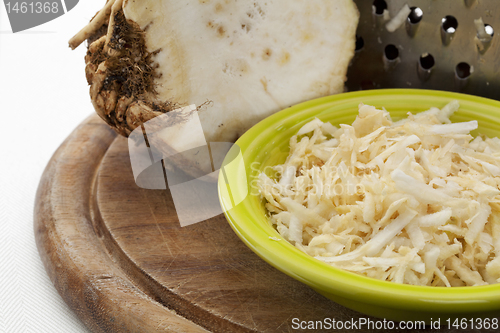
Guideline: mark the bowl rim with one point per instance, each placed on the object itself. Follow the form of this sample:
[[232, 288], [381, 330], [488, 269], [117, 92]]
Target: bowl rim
[[329, 279]]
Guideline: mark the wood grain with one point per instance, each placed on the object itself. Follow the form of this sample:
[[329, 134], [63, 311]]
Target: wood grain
[[119, 258]]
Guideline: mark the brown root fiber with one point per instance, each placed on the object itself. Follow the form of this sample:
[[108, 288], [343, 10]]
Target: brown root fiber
[[130, 66], [121, 72]]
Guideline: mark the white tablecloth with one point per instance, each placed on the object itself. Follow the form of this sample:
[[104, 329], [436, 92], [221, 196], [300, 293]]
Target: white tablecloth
[[43, 97]]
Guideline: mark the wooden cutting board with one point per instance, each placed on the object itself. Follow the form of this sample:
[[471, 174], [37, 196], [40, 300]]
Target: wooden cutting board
[[119, 258]]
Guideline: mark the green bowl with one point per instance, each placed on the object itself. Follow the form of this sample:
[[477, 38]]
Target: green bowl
[[266, 144]]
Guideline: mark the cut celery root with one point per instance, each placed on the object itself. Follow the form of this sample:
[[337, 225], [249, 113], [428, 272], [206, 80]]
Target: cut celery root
[[249, 59]]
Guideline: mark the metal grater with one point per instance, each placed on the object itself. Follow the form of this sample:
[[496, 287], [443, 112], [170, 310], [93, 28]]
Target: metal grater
[[435, 48]]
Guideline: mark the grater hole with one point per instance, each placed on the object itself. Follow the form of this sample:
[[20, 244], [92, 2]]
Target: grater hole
[[489, 29], [360, 43], [379, 6], [449, 24], [426, 61], [391, 52], [415, 15], [463, 70]]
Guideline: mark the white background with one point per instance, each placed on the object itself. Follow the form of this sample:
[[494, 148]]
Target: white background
[[43, 97]]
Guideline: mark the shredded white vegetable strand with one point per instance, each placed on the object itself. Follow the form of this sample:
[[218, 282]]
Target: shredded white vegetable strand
[[415, 201]]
